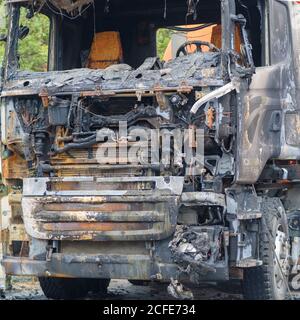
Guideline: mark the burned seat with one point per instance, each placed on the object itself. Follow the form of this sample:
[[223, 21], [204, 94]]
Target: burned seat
[[106, 50]]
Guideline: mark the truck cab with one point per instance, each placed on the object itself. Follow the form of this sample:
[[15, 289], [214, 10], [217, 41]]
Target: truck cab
[[120, 164]]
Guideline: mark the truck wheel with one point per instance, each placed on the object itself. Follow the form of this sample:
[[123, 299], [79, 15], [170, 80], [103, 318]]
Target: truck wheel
[[98, 286], [232, 286], [69, 288], [270, 281], [140, 283]]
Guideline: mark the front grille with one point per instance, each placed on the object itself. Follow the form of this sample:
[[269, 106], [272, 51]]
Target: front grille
[[83, 162], [101, 209]]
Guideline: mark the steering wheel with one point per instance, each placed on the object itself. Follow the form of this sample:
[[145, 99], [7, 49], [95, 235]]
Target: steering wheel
[[198, 44]]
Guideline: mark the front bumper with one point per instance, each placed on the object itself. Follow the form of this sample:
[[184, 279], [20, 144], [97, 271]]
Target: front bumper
[[101, 209], [87, 215], [137, 267]]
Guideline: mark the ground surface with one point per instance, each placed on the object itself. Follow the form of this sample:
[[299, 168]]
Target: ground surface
[[28, 289]]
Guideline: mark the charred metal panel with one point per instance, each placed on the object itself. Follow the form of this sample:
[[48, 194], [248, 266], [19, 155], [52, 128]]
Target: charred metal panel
[[184, 70], [135, 267], [11, 57], [139, 267], [263, 109], [259, 123], [270, 131], [133, 213], [292, 128], [295, 27]]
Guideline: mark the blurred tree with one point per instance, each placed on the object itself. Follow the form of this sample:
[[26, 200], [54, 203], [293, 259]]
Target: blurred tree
[[33, 50], [2, 28], [163, 39]]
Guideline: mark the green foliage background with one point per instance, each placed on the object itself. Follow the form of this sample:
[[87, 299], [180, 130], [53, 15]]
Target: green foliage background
[[163, 39], [2, 28], [33, 50]]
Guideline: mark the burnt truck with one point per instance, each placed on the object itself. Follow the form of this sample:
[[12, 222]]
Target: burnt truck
[[100, 186]]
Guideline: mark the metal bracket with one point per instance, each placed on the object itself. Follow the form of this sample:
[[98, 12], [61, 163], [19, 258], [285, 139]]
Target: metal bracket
[[241, 20]]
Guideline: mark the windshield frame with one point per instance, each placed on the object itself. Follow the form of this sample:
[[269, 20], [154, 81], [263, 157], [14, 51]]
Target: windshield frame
[[11, 63]]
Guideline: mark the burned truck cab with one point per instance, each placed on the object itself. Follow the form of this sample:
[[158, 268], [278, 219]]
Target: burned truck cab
[[124, 165]]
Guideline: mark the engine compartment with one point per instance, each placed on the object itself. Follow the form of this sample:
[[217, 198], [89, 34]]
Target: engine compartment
[[65, 124]]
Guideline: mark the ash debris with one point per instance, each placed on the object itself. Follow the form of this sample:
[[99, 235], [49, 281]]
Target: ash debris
[[192, 250], [178, 291]]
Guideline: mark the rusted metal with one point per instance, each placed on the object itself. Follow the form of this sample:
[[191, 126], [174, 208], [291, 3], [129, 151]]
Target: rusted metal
[[17, 232], [14, 167], [210, 117], [60, 227], [45, 97], [106, 216], [99, 266], [161, 219]]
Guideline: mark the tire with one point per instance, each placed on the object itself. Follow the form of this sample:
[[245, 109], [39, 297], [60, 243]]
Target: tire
[[97, 286], [267, 282], [69, 288], [230, 286], [140, 283]]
